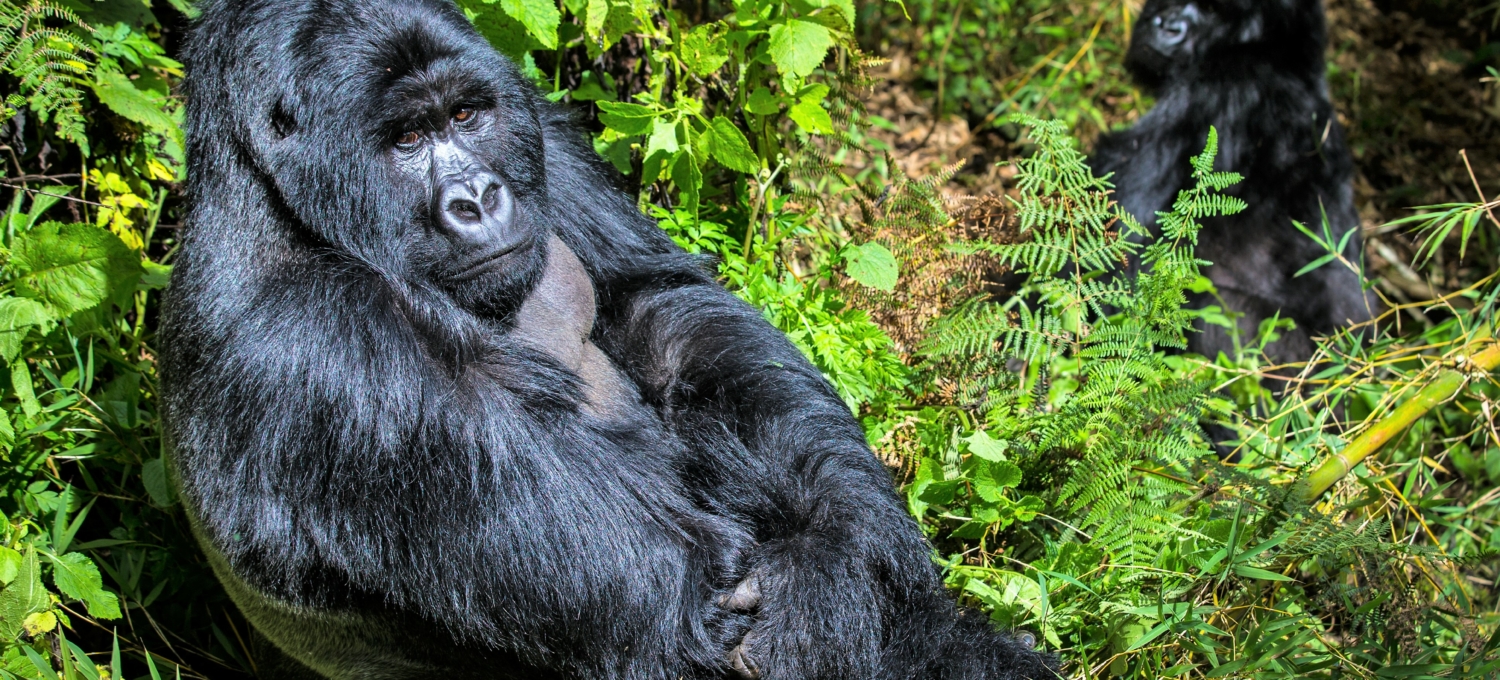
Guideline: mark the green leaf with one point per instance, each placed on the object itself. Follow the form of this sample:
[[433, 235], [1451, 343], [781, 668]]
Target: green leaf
[[763, 103], [594, 87], [155, 276], [1005, 474], [511, 37], [73, 267], [689, 180], [597, 12], [798, 46], [78, 578], [20, 381], [23, 596], [17, 317], [540, 17], [986, 447], [731, 148], [811, 117], [154, 476], [940, 493], [702, 50], [626, 119], [10, 565], [1261, 574], [663, 138], [873, 265], [117, 92], [1315, 264]]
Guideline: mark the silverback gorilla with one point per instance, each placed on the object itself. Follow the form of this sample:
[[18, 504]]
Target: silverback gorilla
[[1254, 69], [444, 404]]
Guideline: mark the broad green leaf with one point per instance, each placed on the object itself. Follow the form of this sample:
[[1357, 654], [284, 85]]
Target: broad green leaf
[[7, 433], [689, 180], [594, 87], [10, 565], [763, 103], [731, 148], [23, 596], [20, 381], [78, 578], [798, 46], [810, 116], [1005, 474], [663, 138], [73, 267], [873, 265], [626, 119], [17, 317], [117, 92], [39, 622], [940, 493], [540, 17], [597, 12], [508, 35], [154, 476], [155, 276], [702, 50], [986, 447]]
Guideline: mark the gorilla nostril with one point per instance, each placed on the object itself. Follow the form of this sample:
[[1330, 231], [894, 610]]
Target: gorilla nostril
[[465, 211], [491, 198]]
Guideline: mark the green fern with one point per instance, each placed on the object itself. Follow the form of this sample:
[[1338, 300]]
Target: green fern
[[1128, 421], [47, 62]]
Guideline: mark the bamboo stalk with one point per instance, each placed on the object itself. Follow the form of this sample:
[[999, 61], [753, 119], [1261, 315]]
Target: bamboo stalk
[[1442, 388]]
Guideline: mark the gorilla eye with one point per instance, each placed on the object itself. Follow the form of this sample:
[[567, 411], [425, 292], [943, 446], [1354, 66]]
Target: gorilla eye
[[409, 138], [463, 115]]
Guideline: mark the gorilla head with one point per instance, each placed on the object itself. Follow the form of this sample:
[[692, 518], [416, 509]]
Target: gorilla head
[[1254, 70], [456, 197], [1176, 41]]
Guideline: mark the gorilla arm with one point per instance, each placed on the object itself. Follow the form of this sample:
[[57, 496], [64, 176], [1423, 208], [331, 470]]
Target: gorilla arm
[[838, 558]]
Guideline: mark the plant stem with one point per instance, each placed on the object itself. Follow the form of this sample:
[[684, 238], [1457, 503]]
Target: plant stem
[[1442, 388]]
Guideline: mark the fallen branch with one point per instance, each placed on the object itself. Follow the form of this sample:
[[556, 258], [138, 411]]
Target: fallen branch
[[1441, 389]]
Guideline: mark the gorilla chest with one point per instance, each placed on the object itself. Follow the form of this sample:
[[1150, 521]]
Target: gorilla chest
[[558, 317]]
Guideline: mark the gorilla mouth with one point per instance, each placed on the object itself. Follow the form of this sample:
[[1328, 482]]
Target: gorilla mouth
[[487, 262]]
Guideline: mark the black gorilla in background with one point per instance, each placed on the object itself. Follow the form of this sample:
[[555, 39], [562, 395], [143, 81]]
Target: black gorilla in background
[[1254, 69], [444, 404]]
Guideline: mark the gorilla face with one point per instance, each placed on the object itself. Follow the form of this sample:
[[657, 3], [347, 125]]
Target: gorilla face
[[477, 241], [443, 182], [1181, 42], [1166, 38]]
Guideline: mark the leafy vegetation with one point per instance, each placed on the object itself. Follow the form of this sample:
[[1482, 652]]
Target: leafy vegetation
[[1147, 513]]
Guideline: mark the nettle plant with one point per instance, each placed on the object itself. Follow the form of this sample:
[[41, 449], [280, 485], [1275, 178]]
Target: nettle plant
[[720, 112], [714, 93]]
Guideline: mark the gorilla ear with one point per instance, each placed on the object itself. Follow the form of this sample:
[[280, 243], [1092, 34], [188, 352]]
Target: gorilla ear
[[283, 121]]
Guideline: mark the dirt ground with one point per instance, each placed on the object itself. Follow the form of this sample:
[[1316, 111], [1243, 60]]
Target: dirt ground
[[1409, 80]]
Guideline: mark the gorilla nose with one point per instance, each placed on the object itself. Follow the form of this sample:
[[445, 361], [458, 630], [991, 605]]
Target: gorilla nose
[[476, 207]]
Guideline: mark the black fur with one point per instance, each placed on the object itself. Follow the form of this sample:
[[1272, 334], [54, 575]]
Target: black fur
[[391, 485], [1253, 69]]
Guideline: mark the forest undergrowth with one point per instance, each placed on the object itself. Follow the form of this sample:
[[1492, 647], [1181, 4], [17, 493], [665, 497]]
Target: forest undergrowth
[[1044, 426]]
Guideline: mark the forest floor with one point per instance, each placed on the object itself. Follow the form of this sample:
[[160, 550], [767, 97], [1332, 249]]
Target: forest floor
[[1411, 91]]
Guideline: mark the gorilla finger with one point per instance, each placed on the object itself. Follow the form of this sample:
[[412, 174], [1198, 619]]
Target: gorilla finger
[[740, 660], [745, 597]]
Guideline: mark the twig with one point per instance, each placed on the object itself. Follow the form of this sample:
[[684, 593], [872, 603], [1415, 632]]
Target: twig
[[30, 178], [38, 191], [1464, 154]]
